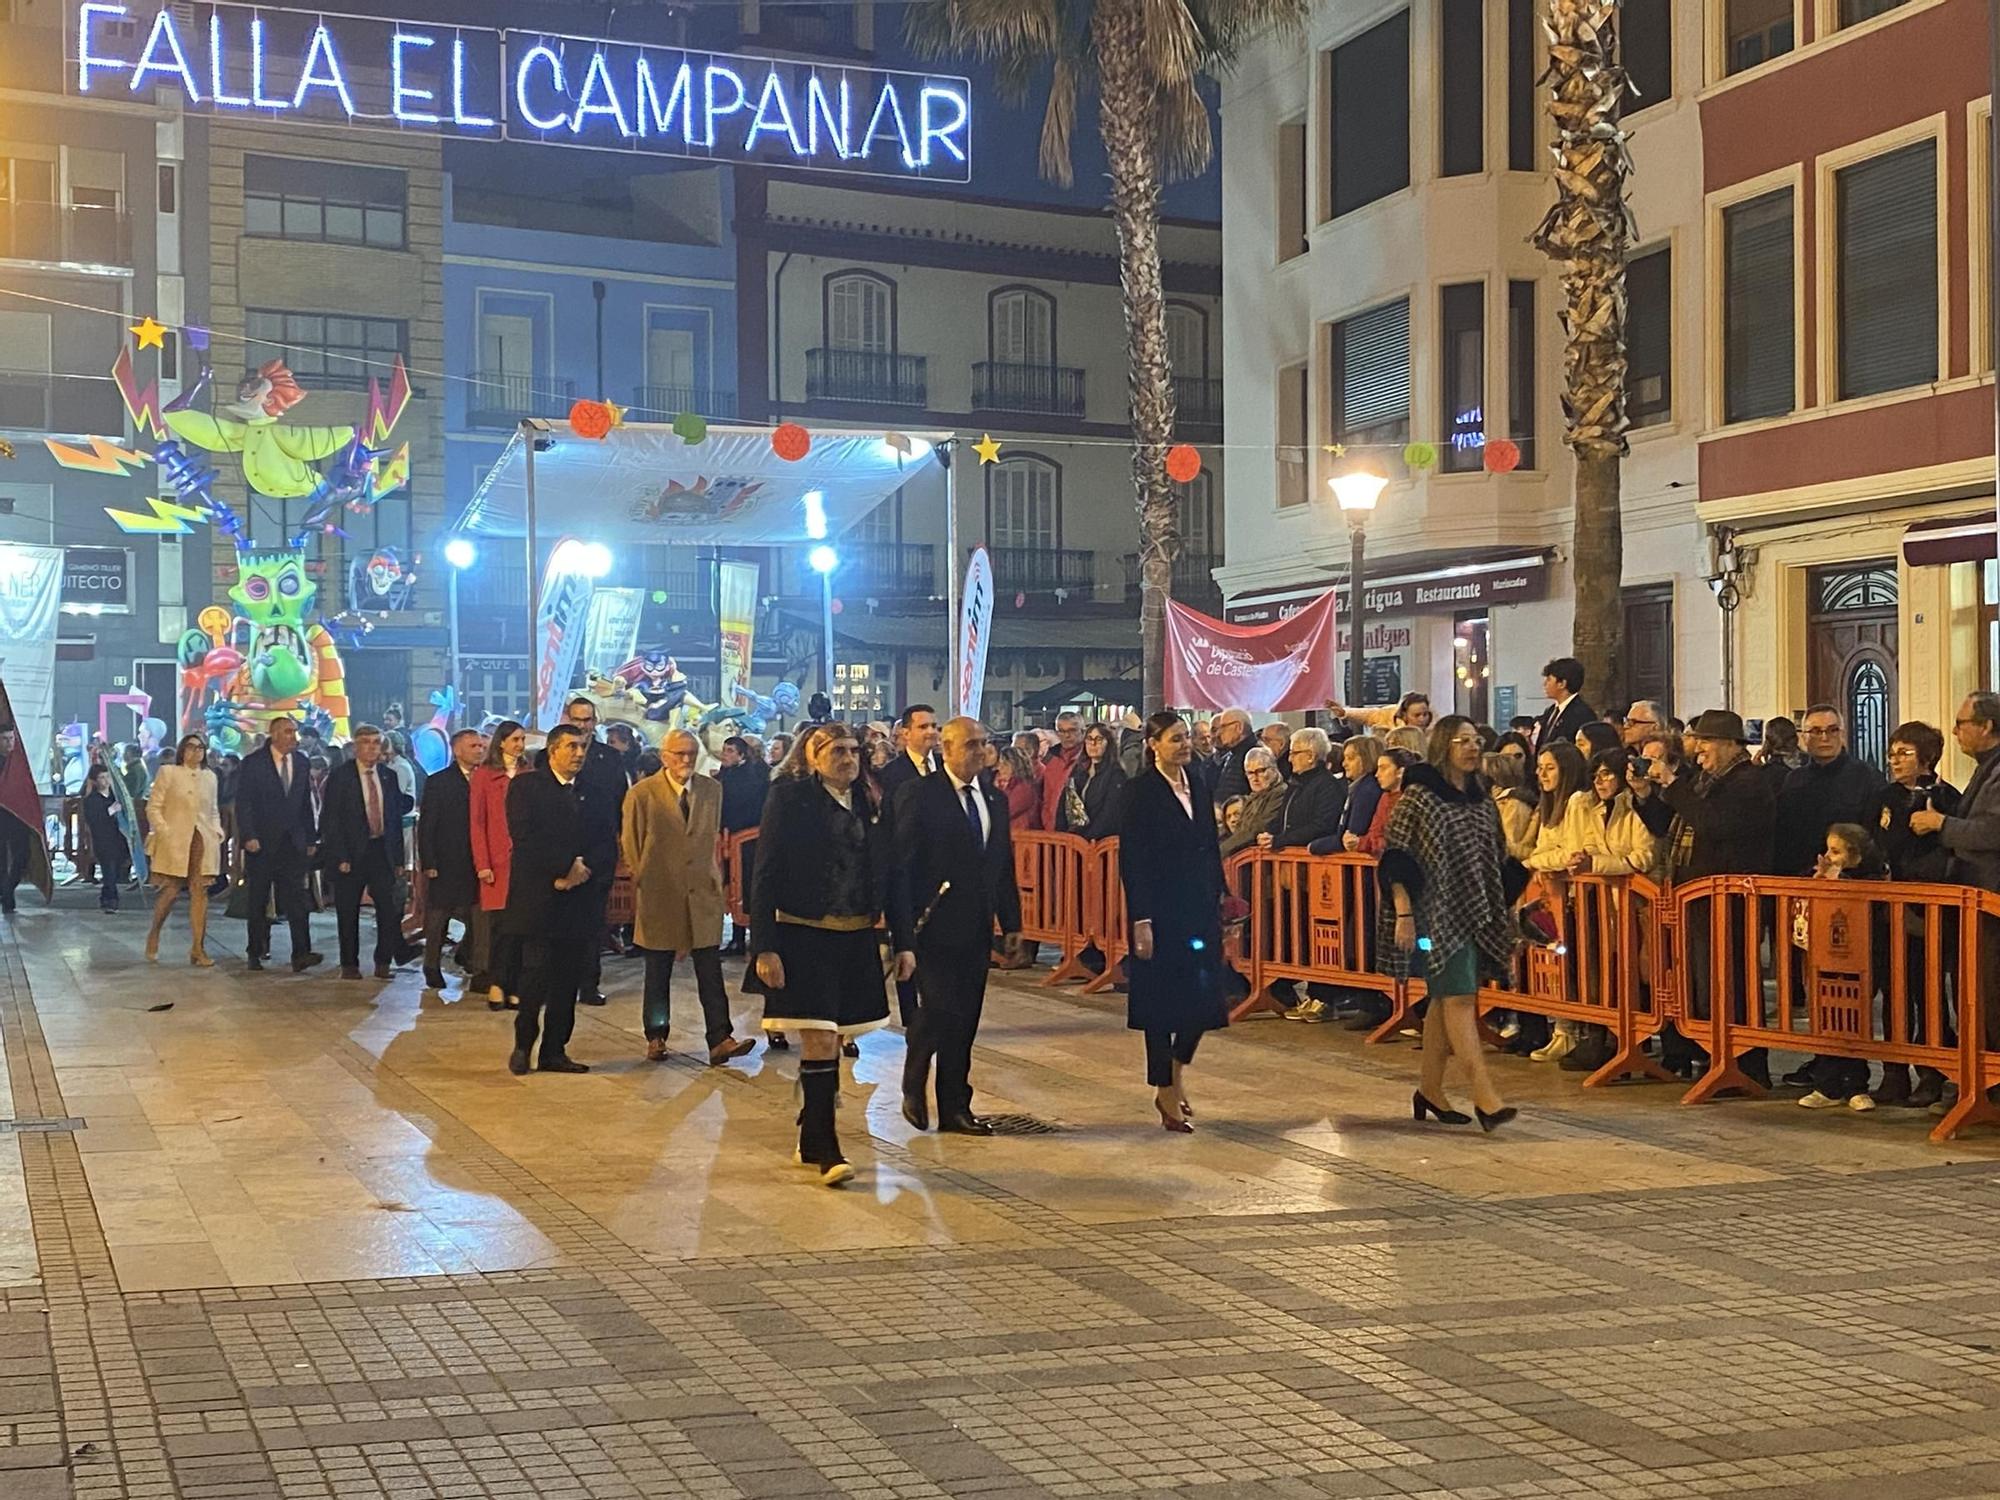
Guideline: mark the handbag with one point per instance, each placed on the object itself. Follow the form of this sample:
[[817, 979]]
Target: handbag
[[1076, 817]]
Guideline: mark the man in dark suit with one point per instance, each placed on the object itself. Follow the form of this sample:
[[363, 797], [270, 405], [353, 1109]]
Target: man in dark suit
[[1562, 682], [444, 850], [274, 822], [917, 730], [605, 777], [951, 829], [361, 843], [557, 853]]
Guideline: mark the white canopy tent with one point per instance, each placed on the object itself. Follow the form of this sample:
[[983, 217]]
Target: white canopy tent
[[643, 483]]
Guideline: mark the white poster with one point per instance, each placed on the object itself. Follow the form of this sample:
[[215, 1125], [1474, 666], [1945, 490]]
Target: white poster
[[611, 639], [559, 626], [30, 598], [975, 630]]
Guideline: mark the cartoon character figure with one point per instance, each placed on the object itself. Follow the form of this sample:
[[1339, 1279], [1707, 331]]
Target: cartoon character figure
[[288, 662], [656, 679], [379, 582], [431, 743], [620, 703], [753, 710]]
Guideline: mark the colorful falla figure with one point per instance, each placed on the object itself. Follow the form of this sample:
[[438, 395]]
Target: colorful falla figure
[[289, 663], [279, 459]]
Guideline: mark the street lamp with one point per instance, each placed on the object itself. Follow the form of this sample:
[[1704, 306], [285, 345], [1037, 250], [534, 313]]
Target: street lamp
[[824, 560], [461, 554], [1357, 490]]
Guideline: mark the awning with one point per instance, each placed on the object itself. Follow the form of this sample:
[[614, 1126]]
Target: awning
[[1423, 583], [1953, 539], [1094, 690], [643, 483]]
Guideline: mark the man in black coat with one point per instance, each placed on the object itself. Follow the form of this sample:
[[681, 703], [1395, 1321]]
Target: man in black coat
[[917, 730], [557, 827], [1562, 681], [1831, 787], [604, 774], [951, 829], [444, 850], [275, 825], [361, 843], [1318, 795], [1231, 731]]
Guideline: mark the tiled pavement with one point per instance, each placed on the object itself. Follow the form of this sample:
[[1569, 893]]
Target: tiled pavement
[[299, 1238]]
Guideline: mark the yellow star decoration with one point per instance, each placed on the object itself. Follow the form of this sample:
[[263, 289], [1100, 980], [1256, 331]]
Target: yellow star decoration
[[617, 413], [151, 335], [987, 449], [1338, 450]]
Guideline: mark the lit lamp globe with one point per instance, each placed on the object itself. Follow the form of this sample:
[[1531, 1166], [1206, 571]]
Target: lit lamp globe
[[1357, 491], [823, 559], [460, 552]]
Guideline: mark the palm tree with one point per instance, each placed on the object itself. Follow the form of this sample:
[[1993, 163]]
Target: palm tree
[[1146, 58], [1590, 229]]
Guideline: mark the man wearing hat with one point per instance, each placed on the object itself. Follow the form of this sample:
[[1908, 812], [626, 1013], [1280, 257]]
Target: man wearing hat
[[1724, 824]]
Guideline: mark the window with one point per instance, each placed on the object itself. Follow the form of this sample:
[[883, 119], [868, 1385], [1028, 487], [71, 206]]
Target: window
[[1887, 301], [1196, 502], [1187, 339], [1294, 436], [1461, 88], [1759, 376], [1521, 85], [1291, 189], [326, 351], [1755, 31], [169, 188], [1649, 338], [1646, 48], [1370, 369], [507, 345], [290, 198], [1521, 369], [1462, 318], [26, 360], [1854, 12], [670, 358], [1022, 327], [1021, 504], [1369, 116], [879, 525], [860, 312]]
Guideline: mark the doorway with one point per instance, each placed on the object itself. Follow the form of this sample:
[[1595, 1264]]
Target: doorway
[[1649, 646], [1851, 639]]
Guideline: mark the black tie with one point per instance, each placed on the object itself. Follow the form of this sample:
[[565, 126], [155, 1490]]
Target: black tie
[[684, 804], [972, 817]]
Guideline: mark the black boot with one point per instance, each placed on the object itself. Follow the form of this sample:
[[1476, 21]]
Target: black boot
[[819, 1143]]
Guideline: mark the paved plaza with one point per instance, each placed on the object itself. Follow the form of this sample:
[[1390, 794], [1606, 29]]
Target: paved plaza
[[295, 1237]]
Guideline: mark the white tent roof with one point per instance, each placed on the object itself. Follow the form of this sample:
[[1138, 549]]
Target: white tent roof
[[642, 483]]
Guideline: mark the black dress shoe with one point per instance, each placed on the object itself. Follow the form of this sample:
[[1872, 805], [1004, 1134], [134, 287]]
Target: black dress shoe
[[303, 961], [917, 1110], [350, 971], [253, 963], [595, 997], [561, 1064], [517, 1062], [964, 1123], [434, 979], [385, 971]]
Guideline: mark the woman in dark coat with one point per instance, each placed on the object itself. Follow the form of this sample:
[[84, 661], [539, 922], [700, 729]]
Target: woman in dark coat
[[746, 781], [1172, 873], [1914, 784], [1089, 804]]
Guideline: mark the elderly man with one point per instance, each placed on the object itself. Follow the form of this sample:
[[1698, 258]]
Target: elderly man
[[1262, 807], [1317, 799], [672, 821], [361, 841], [1276, 737], [1643, 720], [1973, 837], [1232, 743], [1058, 764]]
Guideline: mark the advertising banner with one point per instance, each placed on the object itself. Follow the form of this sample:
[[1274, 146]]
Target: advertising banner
[[97, 581], [975, 633], [737, 584], [30, 596], [1285, 666], [611, 638], [559, 629]]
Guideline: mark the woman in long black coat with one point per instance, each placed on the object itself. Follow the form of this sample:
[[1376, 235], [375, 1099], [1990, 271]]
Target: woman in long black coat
[[1172, 873]]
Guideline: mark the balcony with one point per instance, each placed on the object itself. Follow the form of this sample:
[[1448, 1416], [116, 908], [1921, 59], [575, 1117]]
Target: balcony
[[78, 234], [662, 403], [880, 379], [34, 401], [1192, 584], [1197, 401], [1056, 389], [888, 570], [499, 400], [1043, 568]]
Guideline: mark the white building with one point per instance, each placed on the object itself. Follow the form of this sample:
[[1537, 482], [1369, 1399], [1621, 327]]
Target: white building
[[1380, 183]]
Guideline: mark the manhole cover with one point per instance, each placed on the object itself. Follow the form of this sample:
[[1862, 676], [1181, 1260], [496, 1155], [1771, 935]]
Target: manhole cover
[[1022, 1125]]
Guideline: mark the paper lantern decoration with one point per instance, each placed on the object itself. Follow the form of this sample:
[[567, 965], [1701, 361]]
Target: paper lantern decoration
[[791, 442], [590, 419], [691, 428], [1183, 463], [1420, 456], [1020, 599], [837, 606], [1502, 456]]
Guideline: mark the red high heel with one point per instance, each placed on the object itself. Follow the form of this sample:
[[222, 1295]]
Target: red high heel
[[1173, 1122]]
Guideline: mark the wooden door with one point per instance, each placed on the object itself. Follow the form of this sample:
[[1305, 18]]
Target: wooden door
[[1649, 647], [1851, 631]]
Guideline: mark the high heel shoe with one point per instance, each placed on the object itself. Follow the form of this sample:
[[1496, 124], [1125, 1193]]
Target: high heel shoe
[[152, 947], [1173, 1122], [1499, 1117], [1420, 1106], [201, 961]]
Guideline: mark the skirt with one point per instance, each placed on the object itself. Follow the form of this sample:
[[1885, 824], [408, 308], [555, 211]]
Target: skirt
[[833, 982]]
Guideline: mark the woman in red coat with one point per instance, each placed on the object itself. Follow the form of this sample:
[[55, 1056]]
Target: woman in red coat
[[493, 857], [1014, 781]]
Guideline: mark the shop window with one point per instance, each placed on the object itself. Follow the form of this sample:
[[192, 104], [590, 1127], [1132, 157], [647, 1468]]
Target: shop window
[[1886, 261]]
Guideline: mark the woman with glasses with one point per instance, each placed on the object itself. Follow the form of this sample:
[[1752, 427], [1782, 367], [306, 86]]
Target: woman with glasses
[[1915, 786], [1445, 913], [185, 846], [1264, 805], [1090, 800]]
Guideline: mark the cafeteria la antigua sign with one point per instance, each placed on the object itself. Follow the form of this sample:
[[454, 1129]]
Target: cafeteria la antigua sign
[[476, 82]]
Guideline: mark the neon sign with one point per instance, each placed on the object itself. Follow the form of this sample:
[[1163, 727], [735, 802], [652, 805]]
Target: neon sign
[[382, 73]]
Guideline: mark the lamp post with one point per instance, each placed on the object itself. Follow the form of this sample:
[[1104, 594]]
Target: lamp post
[[1357, 491], [461, 554], [824, 560]]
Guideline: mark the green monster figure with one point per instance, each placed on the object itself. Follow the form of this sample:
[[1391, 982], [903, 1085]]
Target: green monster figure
[[289, 663]]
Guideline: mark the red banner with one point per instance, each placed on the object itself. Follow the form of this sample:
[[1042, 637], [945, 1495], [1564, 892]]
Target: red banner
[[1287, 665]]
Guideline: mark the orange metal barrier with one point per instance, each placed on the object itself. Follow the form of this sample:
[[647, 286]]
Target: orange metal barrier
[[1104, 912], [730, 851], [1310, 920], [1052, 871]]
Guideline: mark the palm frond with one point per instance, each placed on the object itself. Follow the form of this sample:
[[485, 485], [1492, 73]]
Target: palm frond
[[1059, 123], [985, 28], [1172, 45], [1227, 26], [1187, 141]]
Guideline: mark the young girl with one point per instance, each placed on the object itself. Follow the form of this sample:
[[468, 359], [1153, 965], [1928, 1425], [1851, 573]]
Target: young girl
[[108, 845], [1850, 854]]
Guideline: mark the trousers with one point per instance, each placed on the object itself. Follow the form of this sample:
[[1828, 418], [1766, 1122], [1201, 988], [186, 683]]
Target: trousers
[[436, 920], [551, 970], [370, 873], [708, 985], [951, 994], [1164, 1049], [280, 868]]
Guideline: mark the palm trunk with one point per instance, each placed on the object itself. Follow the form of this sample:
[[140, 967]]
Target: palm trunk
[[1590, 229], [1129, 118]]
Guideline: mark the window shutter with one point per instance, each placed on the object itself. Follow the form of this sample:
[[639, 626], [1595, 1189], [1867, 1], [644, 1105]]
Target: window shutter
[[1888, 272], [1375, 368], [1759, 368]]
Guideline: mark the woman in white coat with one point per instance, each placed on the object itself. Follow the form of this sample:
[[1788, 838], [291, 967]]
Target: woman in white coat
[[185, 846]]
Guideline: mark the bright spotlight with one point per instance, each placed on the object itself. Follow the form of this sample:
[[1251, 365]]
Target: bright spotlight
[[823, 559], [595, 560], [460, 552], [815, 503]]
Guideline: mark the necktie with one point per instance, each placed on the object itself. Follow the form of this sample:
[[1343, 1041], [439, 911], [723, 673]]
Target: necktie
[[285, 773], [684, 804], [372, 795], [972, 817]]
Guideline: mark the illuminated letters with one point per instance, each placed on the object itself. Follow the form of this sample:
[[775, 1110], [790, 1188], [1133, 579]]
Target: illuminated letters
[[894, 107], [257, 70], [681, 94], [942, 134], [594, 78], [774, 95], [322, 47], [163, 30], [460, 115], [86, 18], [819, 110], [402, 91], [708, 110], [528, 59], [215, 89]]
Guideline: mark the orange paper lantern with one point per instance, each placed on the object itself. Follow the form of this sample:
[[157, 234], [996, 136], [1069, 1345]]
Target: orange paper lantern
[[1502, 456], [1183, 462], [791, 442], [590, 419]]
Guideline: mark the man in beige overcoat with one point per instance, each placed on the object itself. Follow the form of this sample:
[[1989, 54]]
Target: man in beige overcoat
[[673, 820]]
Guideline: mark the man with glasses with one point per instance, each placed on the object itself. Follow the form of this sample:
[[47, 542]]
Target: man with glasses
[[1232, 742], [1642, 721], [605, 783], [1061, 761]]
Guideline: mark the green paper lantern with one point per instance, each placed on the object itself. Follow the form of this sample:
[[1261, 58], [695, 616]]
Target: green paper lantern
[[691, 427], [1421, 456], [659, 596]]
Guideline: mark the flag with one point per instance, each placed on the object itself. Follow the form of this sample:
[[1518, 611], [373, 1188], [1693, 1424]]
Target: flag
[[22, 801]]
